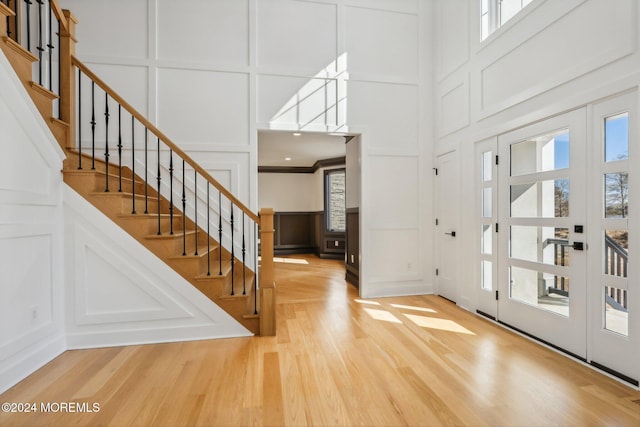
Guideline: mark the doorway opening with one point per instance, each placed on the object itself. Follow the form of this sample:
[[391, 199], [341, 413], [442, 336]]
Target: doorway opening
[[308, 179]]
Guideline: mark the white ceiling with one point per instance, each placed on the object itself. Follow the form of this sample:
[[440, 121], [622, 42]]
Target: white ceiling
[[304, 150]]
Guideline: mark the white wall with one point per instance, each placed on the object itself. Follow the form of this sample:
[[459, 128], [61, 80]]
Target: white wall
[[290, 192], [211, 74], [31, 235], [552, 57]]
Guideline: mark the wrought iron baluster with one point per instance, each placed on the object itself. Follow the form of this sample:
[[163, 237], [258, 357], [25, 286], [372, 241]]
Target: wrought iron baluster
[[9, 32], [146, 171], [184, 214], [244, 264], [133, 166], [233, 292], [171, 191], [220, 231], [195, 206], [208, 235], [106, 140], [39, 48], [119, 148], [50, 47], [93, 126], [159, 181], [79, 119], [28, 3], [59, 33]]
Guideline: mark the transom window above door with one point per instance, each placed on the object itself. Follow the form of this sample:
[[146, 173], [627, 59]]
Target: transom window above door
[[495, 13]]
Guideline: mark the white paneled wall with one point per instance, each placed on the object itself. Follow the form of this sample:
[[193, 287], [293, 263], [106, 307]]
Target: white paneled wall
[[217, 71], [552, 57], [31, 235], [119, 293]]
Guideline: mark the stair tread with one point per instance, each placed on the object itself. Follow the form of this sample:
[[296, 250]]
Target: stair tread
[[202, 252], [148, 216]]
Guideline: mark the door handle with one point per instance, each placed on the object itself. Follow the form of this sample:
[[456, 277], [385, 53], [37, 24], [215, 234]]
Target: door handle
[[576, 246], [452, 234]]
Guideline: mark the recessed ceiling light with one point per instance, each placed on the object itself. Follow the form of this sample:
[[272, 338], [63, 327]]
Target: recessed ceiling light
[[297, 134], [287, 159]]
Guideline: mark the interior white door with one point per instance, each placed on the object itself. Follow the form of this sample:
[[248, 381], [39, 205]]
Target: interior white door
[[447, 208], [614, 290], [542, 204]]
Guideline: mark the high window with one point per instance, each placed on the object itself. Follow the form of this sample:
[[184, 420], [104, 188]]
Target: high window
[[335, 203], [495, 13]]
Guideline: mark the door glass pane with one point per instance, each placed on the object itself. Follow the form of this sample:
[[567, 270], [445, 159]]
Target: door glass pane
[[616, 137], [545, 245], [540, 154], [487, 275], [616, 200], [616, 314], [539, 289], [487, 239], [616, 252], [486, 202], [486, 165], [541, 199]]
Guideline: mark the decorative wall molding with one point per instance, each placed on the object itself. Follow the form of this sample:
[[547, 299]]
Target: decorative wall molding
[[119, 293]]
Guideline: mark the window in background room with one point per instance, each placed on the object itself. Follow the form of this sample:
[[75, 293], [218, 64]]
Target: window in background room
[[334, 206]]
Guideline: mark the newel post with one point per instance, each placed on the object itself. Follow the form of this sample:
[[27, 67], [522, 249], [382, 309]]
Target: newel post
[[68, 77], [267, 279]]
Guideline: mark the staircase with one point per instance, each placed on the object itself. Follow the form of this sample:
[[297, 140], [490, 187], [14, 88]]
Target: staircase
[[137, 176]]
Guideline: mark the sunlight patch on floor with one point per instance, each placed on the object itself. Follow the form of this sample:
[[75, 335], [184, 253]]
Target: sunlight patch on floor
[[382, 315], [361, 301], [288, 260], [440, 324], [411, 307]]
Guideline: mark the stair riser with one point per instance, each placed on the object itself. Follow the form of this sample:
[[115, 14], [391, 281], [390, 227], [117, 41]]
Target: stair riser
[[114, 204], [167, 245], [145, 225], [96, 182], [197, 265]]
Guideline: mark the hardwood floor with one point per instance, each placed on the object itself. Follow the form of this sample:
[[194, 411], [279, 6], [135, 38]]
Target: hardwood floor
[[337, 360]]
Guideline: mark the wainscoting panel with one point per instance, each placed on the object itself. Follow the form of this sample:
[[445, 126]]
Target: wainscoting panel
[[454, 112], [203, 107], [207, 36], [353, 246], [452, 25], [389, 112], [31, 238], [311, 49], [130, 14], [382, 45], [119, 293]]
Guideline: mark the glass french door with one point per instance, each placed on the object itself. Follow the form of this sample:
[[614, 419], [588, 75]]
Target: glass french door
[[542, 205], [614, 326], [562, 261], [486, 154]]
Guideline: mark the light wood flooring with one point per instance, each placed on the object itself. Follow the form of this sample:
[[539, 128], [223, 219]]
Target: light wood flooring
[[337, 360]]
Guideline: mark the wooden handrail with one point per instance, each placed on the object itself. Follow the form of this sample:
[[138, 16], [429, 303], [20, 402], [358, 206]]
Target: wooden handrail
[[143, 120], [57, 10]]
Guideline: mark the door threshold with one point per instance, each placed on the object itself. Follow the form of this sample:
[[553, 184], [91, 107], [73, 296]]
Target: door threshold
[[482, 313], [547, 343], [616, 374]]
